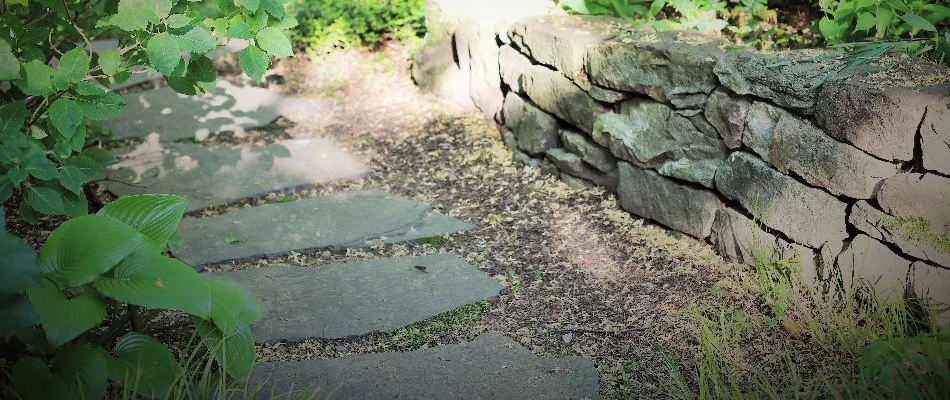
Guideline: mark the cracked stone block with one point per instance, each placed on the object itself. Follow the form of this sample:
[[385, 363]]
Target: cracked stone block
[[590, 152], [513, 66], [650, 135], [556, 94], [787, 80], [791, 144], [924, 242], [804, 214], [535, 131], [866, 261], [935, 136], [358, 298], [336, 221], [233, 107], [933, 283], [572, 164], [727, 113], [212, 176], [490, 367], [681, 207]]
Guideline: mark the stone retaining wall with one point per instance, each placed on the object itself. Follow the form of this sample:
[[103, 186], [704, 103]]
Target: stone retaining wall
[[852, 178]]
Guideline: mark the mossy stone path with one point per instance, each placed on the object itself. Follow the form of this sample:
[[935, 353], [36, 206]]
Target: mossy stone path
[[329, 301]]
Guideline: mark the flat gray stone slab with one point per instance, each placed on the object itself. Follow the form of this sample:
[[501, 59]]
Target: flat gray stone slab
[[341, 220], [175, 116], [210, 176], [340, 300], [490, 367]]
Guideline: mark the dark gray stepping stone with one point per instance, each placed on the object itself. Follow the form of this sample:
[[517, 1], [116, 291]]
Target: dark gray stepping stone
[[341, 220], [175, 116], [210, 176], [491, 367], [340, 300]]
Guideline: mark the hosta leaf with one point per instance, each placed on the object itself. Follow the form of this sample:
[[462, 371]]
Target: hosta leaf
[[156, 281], [9, 64], [196, 40], [16, 312], [45, 200], [74, 65], [164, 53], [155, 216], [65, 115], [232, 304], [274, 42], [64, 318], [109, 61], [84, 248], [78, 372], [18, 267], [253, 62], [234, 352], [143, 364], [102, 107]]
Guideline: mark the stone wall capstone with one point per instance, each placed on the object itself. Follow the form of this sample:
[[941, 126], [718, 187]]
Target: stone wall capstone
[[740, 148]]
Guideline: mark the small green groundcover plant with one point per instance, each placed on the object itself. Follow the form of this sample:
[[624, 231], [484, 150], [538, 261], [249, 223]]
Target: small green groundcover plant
[[73, 316], [326, 24], [54, 86]]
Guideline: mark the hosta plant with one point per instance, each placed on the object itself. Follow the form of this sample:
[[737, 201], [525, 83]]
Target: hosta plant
[[73, 316], [54, 83]]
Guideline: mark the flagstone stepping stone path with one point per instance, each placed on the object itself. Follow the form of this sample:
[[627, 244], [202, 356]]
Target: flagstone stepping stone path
[[212, 176], [331, 301], [233, 107]]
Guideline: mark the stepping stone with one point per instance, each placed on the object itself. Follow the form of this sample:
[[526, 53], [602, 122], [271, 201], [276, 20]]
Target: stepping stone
[[175, 116], [98, 46], [340, 300], [337, 221], [210, 176], [490, 367]]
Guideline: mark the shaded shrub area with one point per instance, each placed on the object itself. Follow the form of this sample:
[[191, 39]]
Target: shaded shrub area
[[328, 24]]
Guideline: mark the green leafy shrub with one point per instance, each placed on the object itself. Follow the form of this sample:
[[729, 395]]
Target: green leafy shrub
[[327, 24], [55, 305], [54, 84]]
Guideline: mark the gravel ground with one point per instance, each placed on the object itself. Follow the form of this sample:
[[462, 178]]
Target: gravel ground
[[580, 275]]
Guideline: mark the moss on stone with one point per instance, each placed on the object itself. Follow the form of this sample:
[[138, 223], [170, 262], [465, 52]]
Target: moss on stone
[[918, 229]]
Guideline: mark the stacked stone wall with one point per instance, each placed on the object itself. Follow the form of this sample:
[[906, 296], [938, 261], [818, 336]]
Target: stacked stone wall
[[739, 148]]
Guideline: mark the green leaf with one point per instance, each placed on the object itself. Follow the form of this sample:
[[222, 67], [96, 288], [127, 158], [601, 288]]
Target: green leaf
[[234, 352], [86, 88], [75, 204], [239, 30], [197, 40], [143, 363], [40, 167], [884, 17], [918, 22], [78, 372], [109, 62], [250, 5], [253, 62], [176, 21], [232, 304], [136, 15], [16, 312], [6, 189], [274, 42], [77, 171], [12, 117], [866, 21], [74, 65], [64, 318], [100, 108], [159, 282], [9, 64], [65, 115], [38, 78], [45, 200], [203, 72], [257, 22], [99, 155], [164, 53], [273, 7], [18, 176], [74, 256], [155, 216], [18, 267]]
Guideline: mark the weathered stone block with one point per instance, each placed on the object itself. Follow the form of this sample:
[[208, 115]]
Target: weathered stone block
[[866, 261], [534, 130], [791, 144], [661, 65], [556, 94], [590, 152], [683, 208], [513, 66], [882, 122], [727, 113], [651, 135], [478, 52], [933, 283], [923, 196], [572, 164], [935, 136], [804, 214], [788, 84], [909, 235]]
